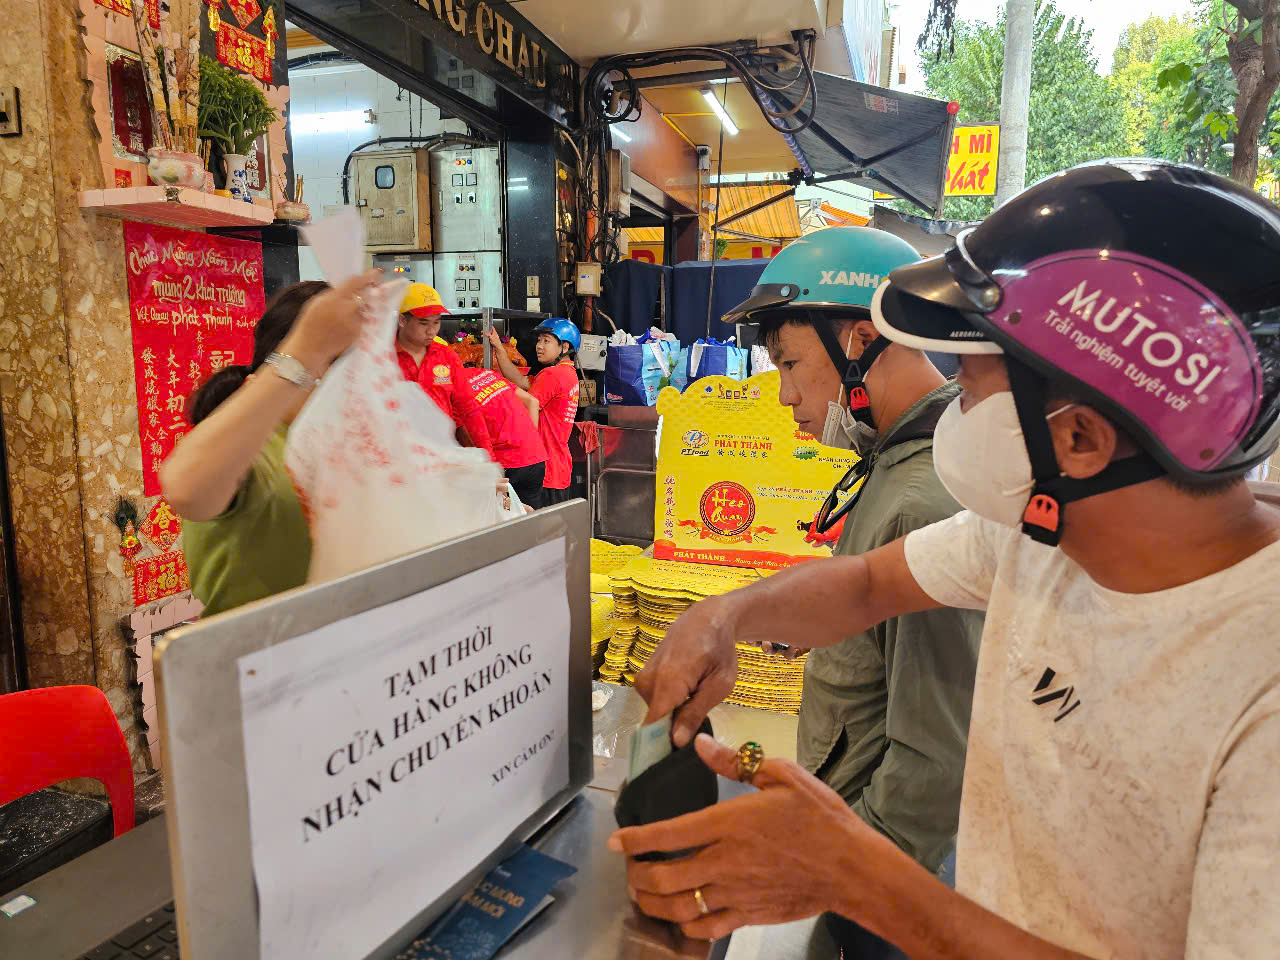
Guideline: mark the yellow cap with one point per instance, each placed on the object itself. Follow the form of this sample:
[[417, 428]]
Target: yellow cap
[[421, 300]]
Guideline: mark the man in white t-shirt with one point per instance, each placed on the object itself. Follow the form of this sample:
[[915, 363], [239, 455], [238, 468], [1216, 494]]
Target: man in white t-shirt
[[1121, 374]]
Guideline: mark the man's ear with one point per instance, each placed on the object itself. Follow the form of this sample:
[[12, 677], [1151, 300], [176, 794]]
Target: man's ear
[[1084, 440], [864, 331]]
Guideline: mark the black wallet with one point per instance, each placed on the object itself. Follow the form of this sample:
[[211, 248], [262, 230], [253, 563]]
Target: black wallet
[[677, 784]]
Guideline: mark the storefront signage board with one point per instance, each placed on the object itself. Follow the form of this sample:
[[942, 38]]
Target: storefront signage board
[[736, 479], [194, 300], [472, 48]]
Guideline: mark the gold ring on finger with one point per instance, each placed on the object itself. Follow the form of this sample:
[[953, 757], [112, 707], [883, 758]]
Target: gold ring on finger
[[702, 904], [750, 756]]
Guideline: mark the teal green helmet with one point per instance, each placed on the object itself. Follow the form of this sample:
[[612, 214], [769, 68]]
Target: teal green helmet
[[830, 275], [831, 269]]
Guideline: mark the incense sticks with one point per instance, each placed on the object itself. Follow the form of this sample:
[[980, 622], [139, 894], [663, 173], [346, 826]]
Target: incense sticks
[[171, 69]]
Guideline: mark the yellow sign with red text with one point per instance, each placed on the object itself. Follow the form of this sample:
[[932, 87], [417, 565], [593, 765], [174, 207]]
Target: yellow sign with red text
[[736, 250], [738, 484], [971, 168]]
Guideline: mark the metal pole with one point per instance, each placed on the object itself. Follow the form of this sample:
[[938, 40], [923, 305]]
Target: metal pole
[[680, 79], [486, 324], [1015, 95], [754, 208]]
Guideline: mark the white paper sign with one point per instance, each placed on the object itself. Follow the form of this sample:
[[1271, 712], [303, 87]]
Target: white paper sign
[[387, 754]]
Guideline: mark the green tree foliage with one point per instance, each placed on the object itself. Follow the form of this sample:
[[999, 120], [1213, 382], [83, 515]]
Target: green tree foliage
[[1140, 42], [1075, 114], [1224, 85], [1149, 111]]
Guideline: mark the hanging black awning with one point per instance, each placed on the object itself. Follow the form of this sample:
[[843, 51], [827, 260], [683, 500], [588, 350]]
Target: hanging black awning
[[929, 237], [890, 141]]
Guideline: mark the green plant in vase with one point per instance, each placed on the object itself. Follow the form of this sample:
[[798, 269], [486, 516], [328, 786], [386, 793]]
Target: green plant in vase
[[233, 114]]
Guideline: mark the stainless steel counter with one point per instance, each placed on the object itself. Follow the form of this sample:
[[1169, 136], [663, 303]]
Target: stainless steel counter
[[592, 918]]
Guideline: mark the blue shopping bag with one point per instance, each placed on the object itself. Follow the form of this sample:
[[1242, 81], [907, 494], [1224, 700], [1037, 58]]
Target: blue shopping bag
[[635, 373], [710, 357]]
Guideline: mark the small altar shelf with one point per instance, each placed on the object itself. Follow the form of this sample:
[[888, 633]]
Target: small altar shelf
[[180, 206]]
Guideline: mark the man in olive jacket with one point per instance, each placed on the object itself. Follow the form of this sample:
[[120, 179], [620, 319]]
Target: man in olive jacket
[[885, 715]]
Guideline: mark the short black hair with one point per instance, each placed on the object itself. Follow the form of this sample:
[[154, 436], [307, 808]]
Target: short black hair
[[771, 324], [270, 331]]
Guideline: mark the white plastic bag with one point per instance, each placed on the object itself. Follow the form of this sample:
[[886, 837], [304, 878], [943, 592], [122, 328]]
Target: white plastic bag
[[760, 362], [510, 506], [374, 460]]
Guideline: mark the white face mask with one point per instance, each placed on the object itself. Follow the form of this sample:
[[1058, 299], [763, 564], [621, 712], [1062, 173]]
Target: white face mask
[[982, 460], [841, 430]]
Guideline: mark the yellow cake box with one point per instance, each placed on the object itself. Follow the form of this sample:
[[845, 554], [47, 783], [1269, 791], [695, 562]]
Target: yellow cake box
[[738, 484]]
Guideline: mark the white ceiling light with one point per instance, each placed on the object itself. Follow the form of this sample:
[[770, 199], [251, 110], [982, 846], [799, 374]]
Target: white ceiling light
[[730, 127], [624, 137], [301, 124], [728, 80]]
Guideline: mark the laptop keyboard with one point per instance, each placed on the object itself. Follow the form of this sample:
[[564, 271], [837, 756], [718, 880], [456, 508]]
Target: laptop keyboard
[[154, 936]]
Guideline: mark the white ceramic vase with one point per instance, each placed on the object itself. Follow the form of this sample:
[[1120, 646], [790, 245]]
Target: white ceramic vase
[[237, 183]]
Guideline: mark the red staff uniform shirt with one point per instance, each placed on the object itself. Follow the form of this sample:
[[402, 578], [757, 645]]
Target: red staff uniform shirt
[[443, 377], [516, 442], [557, 391]]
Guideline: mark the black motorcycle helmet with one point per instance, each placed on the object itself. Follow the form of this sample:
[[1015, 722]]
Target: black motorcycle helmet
[[1150, 289]]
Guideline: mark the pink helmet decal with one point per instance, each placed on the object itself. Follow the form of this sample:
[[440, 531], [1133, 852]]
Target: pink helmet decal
[[1153, 340]]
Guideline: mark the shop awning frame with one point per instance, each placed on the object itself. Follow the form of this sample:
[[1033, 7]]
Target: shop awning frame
[[847, 128]]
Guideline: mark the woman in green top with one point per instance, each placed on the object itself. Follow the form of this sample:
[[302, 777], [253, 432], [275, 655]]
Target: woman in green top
[[245, 537]]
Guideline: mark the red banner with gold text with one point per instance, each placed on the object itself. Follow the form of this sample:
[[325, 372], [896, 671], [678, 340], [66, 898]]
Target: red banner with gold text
[[194, 300], [158, 577], [244, 52]]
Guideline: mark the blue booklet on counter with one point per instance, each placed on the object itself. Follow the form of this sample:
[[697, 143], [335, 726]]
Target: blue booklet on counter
[[510, 896]]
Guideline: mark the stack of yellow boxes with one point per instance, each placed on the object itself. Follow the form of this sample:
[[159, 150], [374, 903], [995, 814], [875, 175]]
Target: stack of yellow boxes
[[649, 595], [607, 618]]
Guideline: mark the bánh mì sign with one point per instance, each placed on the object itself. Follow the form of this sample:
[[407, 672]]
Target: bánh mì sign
[[971, 168]]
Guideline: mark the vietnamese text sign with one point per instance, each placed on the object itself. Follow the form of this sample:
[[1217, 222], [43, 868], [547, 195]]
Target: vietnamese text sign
[[971, 169], [194, 300], [738, 484], [389, 753]]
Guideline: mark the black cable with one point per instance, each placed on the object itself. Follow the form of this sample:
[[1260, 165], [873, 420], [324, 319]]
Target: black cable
[[311, 59], [601, 69], [610, 95]]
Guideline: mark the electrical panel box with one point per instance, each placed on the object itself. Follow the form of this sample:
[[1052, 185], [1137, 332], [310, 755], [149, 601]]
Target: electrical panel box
[[588, 279], [414, 267], [468, 199], [470, 281], [393, 198], [591, 354]]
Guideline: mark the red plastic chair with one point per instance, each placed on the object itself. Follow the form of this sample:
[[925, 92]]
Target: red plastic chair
[[60, 733]]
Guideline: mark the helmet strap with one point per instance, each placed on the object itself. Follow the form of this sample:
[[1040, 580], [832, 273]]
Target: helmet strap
[[1042, 519], [851, 371]]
